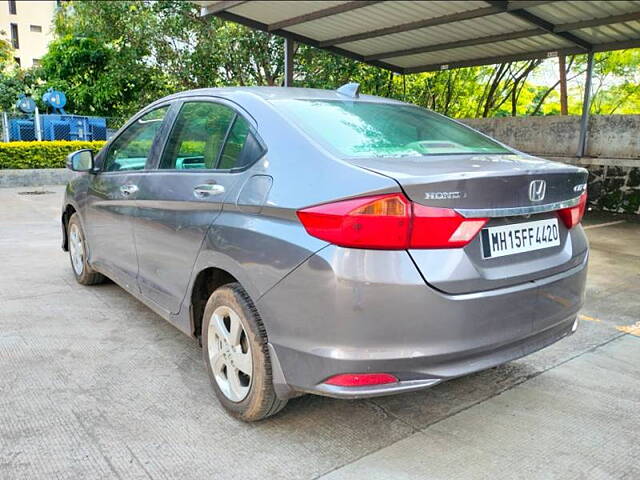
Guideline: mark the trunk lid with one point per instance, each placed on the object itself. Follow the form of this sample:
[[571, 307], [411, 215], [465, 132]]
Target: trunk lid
[[497, 187], [479, 181]]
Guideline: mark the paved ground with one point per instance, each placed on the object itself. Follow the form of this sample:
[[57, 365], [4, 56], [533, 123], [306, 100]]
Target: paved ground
[[95, 385]]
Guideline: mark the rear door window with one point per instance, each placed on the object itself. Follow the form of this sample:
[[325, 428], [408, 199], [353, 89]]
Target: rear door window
[[197, 136], [208, 135]]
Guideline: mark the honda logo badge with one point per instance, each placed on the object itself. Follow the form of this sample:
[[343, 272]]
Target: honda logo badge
[[537, 189]]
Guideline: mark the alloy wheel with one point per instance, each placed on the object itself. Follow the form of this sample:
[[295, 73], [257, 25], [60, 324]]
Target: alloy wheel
[[230, 354], [76, 249]]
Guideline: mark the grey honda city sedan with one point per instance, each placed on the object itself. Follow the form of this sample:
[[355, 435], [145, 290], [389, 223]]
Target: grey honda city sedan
[[328, 242]]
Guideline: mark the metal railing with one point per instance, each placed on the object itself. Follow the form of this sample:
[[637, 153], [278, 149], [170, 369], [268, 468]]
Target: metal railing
[[17, 127]]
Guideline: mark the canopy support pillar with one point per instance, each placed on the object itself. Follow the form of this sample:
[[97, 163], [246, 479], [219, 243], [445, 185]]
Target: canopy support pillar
[[586, 106], [288, 62], [564, 110]]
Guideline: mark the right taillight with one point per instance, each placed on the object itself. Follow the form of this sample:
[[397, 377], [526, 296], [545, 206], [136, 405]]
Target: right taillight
[[389, 222], [572, 216]]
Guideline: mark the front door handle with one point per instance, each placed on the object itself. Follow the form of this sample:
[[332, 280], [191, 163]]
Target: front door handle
[[127, 190], [207, 189]]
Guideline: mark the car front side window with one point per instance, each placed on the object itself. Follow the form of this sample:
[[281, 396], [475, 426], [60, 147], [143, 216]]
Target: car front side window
[[131, 149]]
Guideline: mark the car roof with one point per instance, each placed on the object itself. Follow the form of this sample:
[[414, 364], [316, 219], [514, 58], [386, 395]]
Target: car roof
[[275, 93]]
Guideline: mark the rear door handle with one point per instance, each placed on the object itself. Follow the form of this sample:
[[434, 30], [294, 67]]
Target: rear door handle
[[127, 190], [207, 189]]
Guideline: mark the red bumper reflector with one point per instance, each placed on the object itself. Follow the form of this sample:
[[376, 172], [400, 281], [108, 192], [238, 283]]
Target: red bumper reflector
[[361, 379]]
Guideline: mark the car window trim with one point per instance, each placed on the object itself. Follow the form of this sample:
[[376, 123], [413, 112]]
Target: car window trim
[[224, 142], [217, 100], [105, 152]]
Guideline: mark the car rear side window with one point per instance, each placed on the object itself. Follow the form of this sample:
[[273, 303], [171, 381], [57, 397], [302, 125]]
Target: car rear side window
[[130, 150], [235, 143], [370, 129]]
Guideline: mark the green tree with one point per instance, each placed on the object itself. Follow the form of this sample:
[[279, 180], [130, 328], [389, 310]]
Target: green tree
[[616, 85], [6, 52], [102, 58], [95, 80], [616, 82], [133, 52], [15, 82]]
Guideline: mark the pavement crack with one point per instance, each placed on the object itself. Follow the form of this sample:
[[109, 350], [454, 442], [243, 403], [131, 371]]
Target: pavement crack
[[91, 434], [144, 469], [388, 413], [376, 406]]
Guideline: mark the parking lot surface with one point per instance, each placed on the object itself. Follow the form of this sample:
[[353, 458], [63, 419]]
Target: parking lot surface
[[95, 385]]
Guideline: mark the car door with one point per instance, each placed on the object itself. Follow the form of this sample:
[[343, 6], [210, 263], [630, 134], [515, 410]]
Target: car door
[[180, 199], [111, 194]]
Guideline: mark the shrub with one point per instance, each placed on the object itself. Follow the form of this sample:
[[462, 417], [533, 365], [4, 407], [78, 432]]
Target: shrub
[[41, 154]]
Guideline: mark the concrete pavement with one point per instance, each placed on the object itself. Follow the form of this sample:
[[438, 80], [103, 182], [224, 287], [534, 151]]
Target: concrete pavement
[[95, 385]]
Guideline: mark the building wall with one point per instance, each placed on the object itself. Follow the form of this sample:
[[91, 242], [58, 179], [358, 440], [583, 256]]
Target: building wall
[[612, 157], [28, 17]]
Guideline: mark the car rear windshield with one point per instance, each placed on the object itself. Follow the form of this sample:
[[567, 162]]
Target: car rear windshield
[[367, 129]]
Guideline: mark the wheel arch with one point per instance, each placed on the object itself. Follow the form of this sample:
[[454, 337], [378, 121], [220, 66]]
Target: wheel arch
[[205, 283], [67, 211]]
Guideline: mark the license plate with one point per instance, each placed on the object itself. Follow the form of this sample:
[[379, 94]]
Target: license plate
[[519, 238]]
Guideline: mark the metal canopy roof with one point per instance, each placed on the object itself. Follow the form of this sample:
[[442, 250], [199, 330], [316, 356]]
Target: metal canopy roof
[[422, 36]]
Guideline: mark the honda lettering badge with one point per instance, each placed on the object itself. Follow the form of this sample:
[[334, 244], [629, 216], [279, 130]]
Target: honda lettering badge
[[537, 189]]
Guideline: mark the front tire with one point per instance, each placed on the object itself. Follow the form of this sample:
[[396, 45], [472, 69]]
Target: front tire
[[234, 345], [85, 275]]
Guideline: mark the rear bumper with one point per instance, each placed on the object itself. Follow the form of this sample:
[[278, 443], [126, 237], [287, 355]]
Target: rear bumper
[[356, 311], [420, 373]]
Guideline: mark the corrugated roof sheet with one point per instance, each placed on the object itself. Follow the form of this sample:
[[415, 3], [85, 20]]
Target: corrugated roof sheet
[[414, 36], [379, 15]]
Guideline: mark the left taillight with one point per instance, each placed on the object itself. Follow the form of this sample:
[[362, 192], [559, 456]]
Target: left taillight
[[389, 222], [572, 216]]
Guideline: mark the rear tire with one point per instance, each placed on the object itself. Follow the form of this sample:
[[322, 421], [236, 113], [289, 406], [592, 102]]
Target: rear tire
[[78, 248], [234, 346]]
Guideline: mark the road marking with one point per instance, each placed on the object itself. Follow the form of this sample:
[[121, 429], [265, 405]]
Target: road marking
[[630, 329], [598, 225], [588, 318]]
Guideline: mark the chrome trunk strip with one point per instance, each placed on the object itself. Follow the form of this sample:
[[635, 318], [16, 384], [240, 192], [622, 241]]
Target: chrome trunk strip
[[515, 211]]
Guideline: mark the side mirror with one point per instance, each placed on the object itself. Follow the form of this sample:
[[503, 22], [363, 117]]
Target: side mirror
[[80, 161]]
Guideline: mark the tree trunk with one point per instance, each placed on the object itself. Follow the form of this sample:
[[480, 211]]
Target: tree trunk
[[490, 99], [543, 98], [390, 84]]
